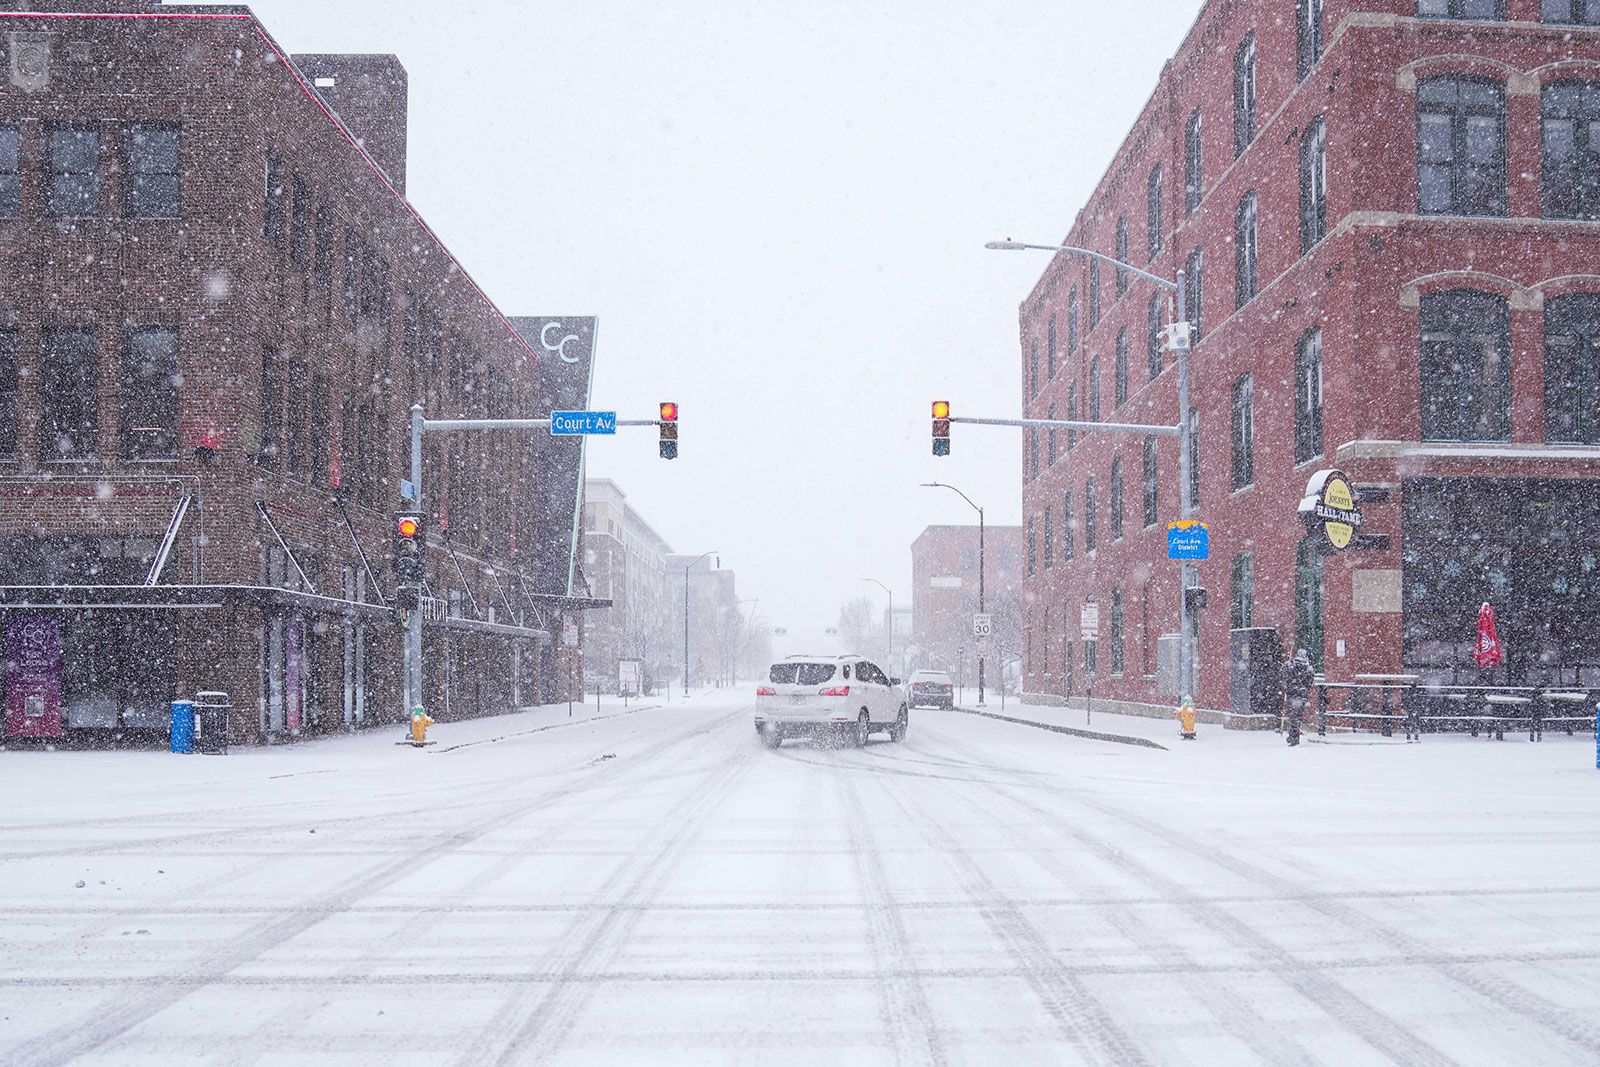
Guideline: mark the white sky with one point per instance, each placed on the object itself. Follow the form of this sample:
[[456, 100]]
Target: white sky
[[778, 213]]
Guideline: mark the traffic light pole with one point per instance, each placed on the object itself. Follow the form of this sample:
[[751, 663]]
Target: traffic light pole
[[419, 425], [1177, 340]]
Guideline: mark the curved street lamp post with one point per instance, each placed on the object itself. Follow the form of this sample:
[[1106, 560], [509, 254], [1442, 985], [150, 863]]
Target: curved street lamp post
[[963, 496]]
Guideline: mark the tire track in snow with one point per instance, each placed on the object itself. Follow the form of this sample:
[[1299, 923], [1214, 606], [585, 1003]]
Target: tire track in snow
[[120, 1014], [912, 1028]]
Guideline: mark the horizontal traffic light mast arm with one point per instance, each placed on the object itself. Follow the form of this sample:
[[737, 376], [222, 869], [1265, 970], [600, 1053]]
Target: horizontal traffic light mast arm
[[1073, 424], [514, 424]]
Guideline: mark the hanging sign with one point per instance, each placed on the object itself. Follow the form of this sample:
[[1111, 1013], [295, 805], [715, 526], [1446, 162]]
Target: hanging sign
[[1330, 502]]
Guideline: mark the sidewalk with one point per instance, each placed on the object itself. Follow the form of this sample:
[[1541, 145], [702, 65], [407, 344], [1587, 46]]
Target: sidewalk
[[1120, 729]]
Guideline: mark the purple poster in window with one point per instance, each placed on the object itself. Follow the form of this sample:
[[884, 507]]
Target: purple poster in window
[[33, 677], [294, 661]]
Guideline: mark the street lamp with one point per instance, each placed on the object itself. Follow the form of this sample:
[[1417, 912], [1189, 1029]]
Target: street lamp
[[886, 589], [963, 496], [686, 569], [1177, 339]]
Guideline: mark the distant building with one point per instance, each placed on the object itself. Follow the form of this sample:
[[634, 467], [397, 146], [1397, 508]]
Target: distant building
[[944, 573], [1388, 214], [625, 562], [717, 629], [218, 309]]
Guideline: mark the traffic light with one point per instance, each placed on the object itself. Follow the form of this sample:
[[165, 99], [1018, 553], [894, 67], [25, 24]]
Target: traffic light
[[669, 430], [941, 427], [409, 547]]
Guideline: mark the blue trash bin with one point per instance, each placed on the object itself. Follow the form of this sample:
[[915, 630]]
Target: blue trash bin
[[183, 726]]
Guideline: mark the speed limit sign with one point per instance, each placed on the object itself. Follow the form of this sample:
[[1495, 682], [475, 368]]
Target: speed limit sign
[[982, 625]]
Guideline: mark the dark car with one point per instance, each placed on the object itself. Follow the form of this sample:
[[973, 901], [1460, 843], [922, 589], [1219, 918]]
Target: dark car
[[930, 689]]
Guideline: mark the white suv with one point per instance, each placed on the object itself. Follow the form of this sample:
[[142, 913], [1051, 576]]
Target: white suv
[[839, 697]]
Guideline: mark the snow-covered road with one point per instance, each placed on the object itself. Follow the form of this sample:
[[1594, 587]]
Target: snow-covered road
[[653, 887]]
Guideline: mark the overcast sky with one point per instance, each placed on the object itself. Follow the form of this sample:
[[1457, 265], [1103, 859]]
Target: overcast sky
[[778, 213]]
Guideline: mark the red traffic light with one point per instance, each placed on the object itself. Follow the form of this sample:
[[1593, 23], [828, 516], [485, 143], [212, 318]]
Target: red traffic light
[[941, 409], [407, 525], [669, 412]]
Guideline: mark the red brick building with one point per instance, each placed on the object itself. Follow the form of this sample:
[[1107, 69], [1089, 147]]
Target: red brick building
[[1388, 210], [219, 309], [944, 582]]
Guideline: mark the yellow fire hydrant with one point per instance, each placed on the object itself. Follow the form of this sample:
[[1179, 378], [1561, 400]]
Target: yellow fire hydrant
[[1186, 720], [419, 726]]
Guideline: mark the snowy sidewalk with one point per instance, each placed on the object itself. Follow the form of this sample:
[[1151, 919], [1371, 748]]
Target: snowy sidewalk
[[1103, 726]]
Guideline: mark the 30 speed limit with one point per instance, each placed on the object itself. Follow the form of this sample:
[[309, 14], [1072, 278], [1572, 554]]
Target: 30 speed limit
[[982, 625]]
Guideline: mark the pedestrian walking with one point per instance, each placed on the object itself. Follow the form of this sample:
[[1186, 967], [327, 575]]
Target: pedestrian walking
[[1296, 678]]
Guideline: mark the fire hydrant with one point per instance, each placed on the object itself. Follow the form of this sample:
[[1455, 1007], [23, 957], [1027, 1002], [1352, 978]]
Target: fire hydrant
[[1186, 719], [419, 726]]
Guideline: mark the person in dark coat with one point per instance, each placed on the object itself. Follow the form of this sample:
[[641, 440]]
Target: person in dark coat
[[1296, 677]]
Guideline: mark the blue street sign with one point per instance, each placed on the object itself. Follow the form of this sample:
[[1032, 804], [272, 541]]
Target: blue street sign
[[408, 491], [583, 422], [1189, 539]]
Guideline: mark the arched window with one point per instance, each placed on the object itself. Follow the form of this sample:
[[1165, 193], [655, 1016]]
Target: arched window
[[1308, 34], [1462, 9], [1572, 369], [1120, 375], [1570, 188], [1244, 95], [1153, 212], [1090, 537], [1465, 366], [1193, 176], [1570, 12], [1153, 327], [1050, 350], [1116, 499], [1461, 146]]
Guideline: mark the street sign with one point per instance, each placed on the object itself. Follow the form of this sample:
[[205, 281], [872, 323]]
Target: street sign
[[1188, 539], [566, 423], [569, 632], [408, 491], [630, 675], [982, 624], [1089, 621]]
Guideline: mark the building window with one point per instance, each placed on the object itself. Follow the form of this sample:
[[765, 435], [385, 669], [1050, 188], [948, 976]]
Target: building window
[[1192, 170], [1313, 185], [1245, 278], [69, 393], [1244, 95], [1572, 369], [1033, 452], [296, 439], [74, 190], [1153, 212], [1244, 429], [1089, 658], [1033, 549], [1050, 350], [1069, 522], [1309, 42], [1094, 293], [1072, 415], [1050, 449], [1571, 172], [273, 222], [1308, 396], [1570, 12], [1461, 146], [300, 223], [1116, 499], [1244, 591], [150, 383], [322, 254], [1120, 373], [153, 172], [1194, 458], [1153, 327], [9, 351], [1309, 589], [1465, 367], [1090, 538], [1152, 483], [1094, 389], [1033, 371], [320, 444], [1194, 292], [1072, 320], [10, 172], [1122, 254], [272, 398], [1116, 631], [1049, 537], [1462, 9]]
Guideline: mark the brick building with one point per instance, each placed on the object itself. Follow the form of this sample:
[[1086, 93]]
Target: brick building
[[944, 583], [219, 310], [1387, 209]]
